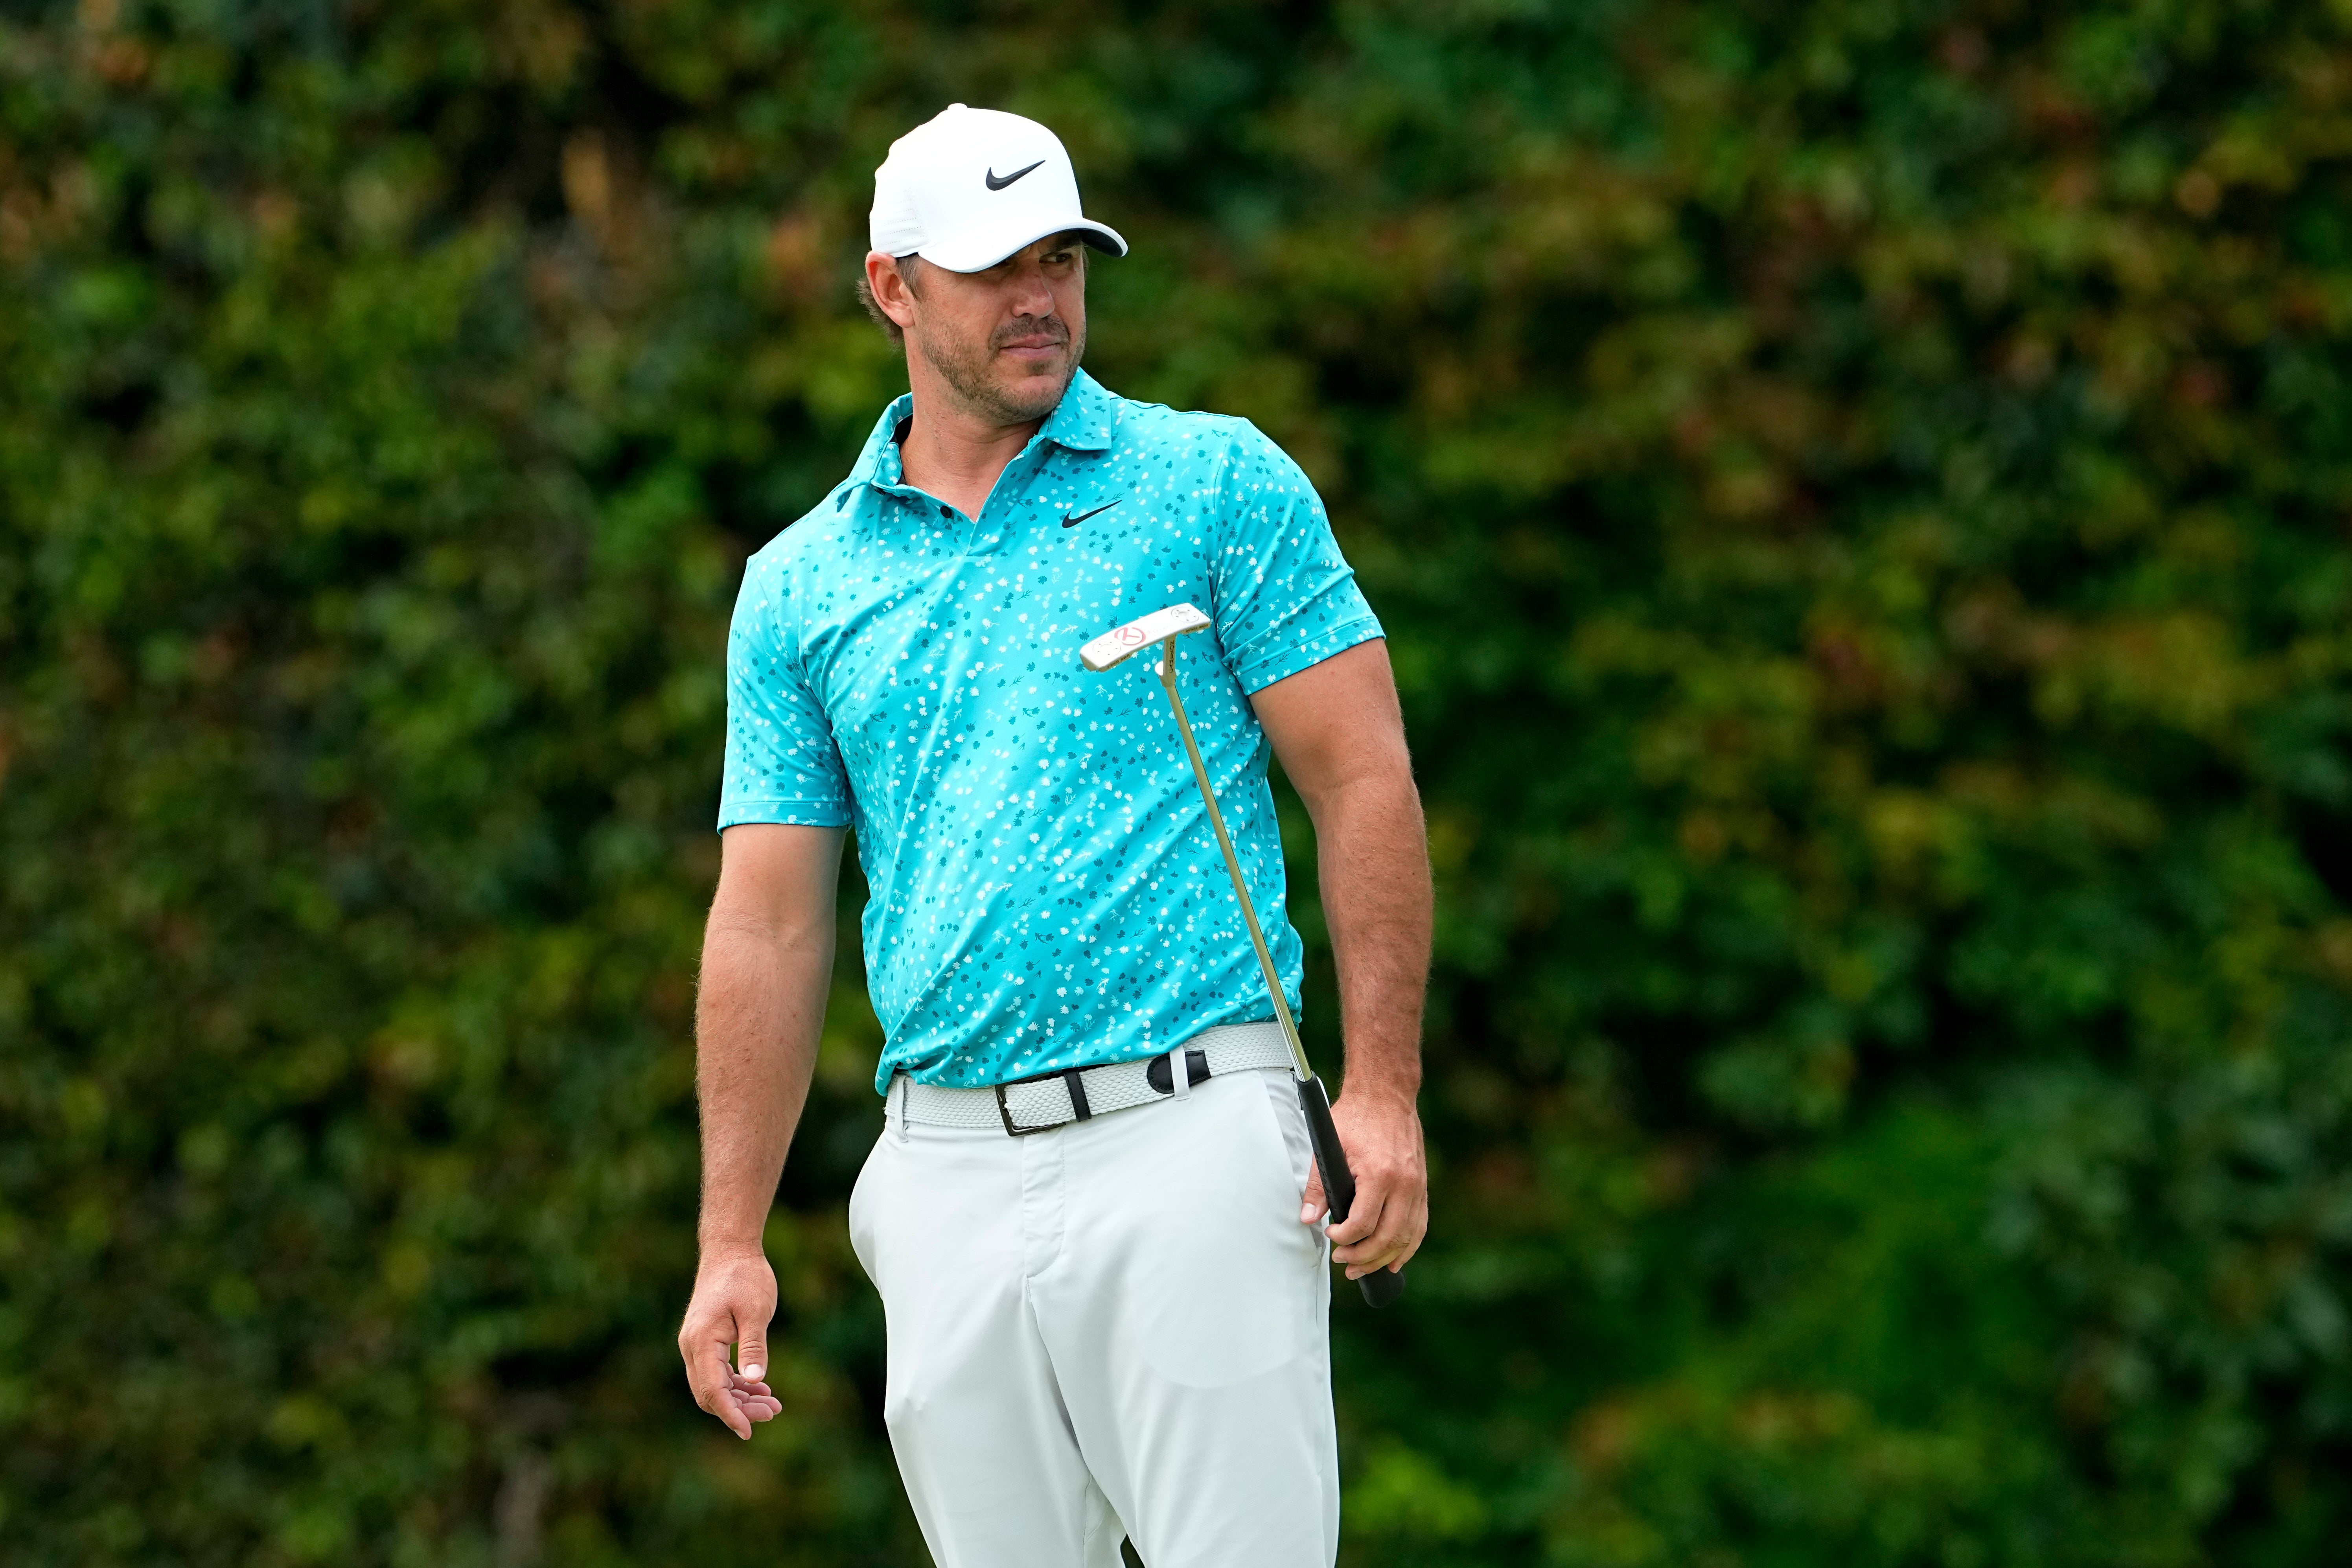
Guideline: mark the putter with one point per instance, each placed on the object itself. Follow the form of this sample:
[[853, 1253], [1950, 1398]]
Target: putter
[[1163, 627]]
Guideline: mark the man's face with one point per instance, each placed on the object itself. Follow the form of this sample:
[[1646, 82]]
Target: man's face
[[1005, 340]]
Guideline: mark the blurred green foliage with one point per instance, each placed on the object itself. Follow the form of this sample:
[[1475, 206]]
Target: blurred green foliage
[[1859, 491]]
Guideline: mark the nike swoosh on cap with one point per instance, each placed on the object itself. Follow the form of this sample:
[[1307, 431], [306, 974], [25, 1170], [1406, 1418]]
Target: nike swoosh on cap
[[1069, 522], [995, 182]]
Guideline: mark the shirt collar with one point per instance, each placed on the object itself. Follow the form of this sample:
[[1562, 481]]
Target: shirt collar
[[1081, 422], [878, 464]]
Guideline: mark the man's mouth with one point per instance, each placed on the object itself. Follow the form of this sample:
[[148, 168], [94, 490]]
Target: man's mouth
[[1034, 347]]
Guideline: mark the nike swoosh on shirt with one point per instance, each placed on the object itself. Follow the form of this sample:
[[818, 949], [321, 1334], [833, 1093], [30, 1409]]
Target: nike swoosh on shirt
[[1069, 522], [996, 184]]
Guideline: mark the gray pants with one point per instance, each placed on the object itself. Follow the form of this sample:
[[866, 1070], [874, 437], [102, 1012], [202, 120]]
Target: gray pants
[[1115, 1327]]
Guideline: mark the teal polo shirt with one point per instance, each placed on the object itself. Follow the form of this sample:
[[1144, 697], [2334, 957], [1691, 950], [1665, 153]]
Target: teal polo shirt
[[1045, 890]]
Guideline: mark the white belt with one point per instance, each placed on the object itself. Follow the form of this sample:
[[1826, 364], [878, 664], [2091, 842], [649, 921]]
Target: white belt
[[1055, 1099]]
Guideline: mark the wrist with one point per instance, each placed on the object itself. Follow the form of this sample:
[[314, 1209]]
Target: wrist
[[1382, 1098], [729, 1248]]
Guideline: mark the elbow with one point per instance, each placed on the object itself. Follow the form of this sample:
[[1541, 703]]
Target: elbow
[[1378, 780], [779, 935]]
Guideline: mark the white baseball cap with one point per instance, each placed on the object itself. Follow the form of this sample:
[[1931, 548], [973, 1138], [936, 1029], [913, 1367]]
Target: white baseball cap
[[967, 187]]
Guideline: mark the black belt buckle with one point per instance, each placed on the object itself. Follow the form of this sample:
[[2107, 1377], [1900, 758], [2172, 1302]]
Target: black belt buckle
[[1005, 1112], [1069, 1077]]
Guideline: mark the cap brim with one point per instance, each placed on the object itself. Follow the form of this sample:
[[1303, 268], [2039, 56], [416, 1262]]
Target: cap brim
[[977, 251]]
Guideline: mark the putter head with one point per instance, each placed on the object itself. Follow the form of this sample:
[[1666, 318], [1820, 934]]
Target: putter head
[[1143, 632]]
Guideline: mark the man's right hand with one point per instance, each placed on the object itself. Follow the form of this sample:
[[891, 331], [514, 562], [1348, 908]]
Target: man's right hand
[[734, 1298]]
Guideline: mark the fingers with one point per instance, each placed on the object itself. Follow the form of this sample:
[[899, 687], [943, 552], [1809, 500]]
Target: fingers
[[1384, 1229], [754, 1397], [755, 1400], [737, 1399], [1385, 1224], [1362, 1220], [734, 1298], [1391, 1244], [715, 1385], [1312, 1204]]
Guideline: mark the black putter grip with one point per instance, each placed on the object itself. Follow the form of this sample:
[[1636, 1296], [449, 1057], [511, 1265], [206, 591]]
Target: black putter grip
[[1381, 1286]]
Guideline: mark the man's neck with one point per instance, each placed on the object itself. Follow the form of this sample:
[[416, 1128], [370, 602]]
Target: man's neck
[[956, 453]]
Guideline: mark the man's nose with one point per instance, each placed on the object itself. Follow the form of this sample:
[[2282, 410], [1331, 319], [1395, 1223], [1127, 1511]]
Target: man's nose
[[1033, 295]]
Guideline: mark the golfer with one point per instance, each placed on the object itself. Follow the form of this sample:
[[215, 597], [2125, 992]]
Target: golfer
[[1091, 1211]]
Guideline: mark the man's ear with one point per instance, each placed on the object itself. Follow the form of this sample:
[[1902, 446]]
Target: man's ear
[[892, 291]]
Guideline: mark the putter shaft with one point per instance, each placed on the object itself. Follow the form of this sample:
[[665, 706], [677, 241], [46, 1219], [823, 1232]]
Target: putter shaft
[[1381, 1286], [1298, 1064]]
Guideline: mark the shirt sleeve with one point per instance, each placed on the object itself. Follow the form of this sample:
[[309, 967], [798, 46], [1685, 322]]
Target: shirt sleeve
[[781, 763], [1287, 598]]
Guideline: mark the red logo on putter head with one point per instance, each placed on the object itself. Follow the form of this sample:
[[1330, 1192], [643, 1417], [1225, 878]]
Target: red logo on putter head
[[1130, 635]]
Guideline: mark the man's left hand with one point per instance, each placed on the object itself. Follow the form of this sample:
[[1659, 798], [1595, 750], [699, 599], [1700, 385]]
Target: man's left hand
[[1381, 1137]]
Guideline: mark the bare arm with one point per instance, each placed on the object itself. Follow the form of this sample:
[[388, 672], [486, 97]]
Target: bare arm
[[767, 964], [1340, 735]]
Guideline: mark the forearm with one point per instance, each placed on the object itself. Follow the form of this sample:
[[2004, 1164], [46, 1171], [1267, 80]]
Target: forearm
[[758, 1017], [1373, 849]]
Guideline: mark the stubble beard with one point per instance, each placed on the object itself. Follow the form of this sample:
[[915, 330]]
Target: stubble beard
[[966, 368]]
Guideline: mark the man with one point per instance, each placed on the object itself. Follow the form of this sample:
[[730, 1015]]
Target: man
[[1105, 1284]]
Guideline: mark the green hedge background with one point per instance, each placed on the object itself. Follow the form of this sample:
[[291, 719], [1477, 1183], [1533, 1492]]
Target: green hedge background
[[1860, 492]]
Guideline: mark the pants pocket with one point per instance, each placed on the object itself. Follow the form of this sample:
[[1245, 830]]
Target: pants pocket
[[1297, 1148], [1291, 1123]]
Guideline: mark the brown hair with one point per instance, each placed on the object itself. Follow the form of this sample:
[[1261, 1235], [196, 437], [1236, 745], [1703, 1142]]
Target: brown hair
[[908, 265]]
